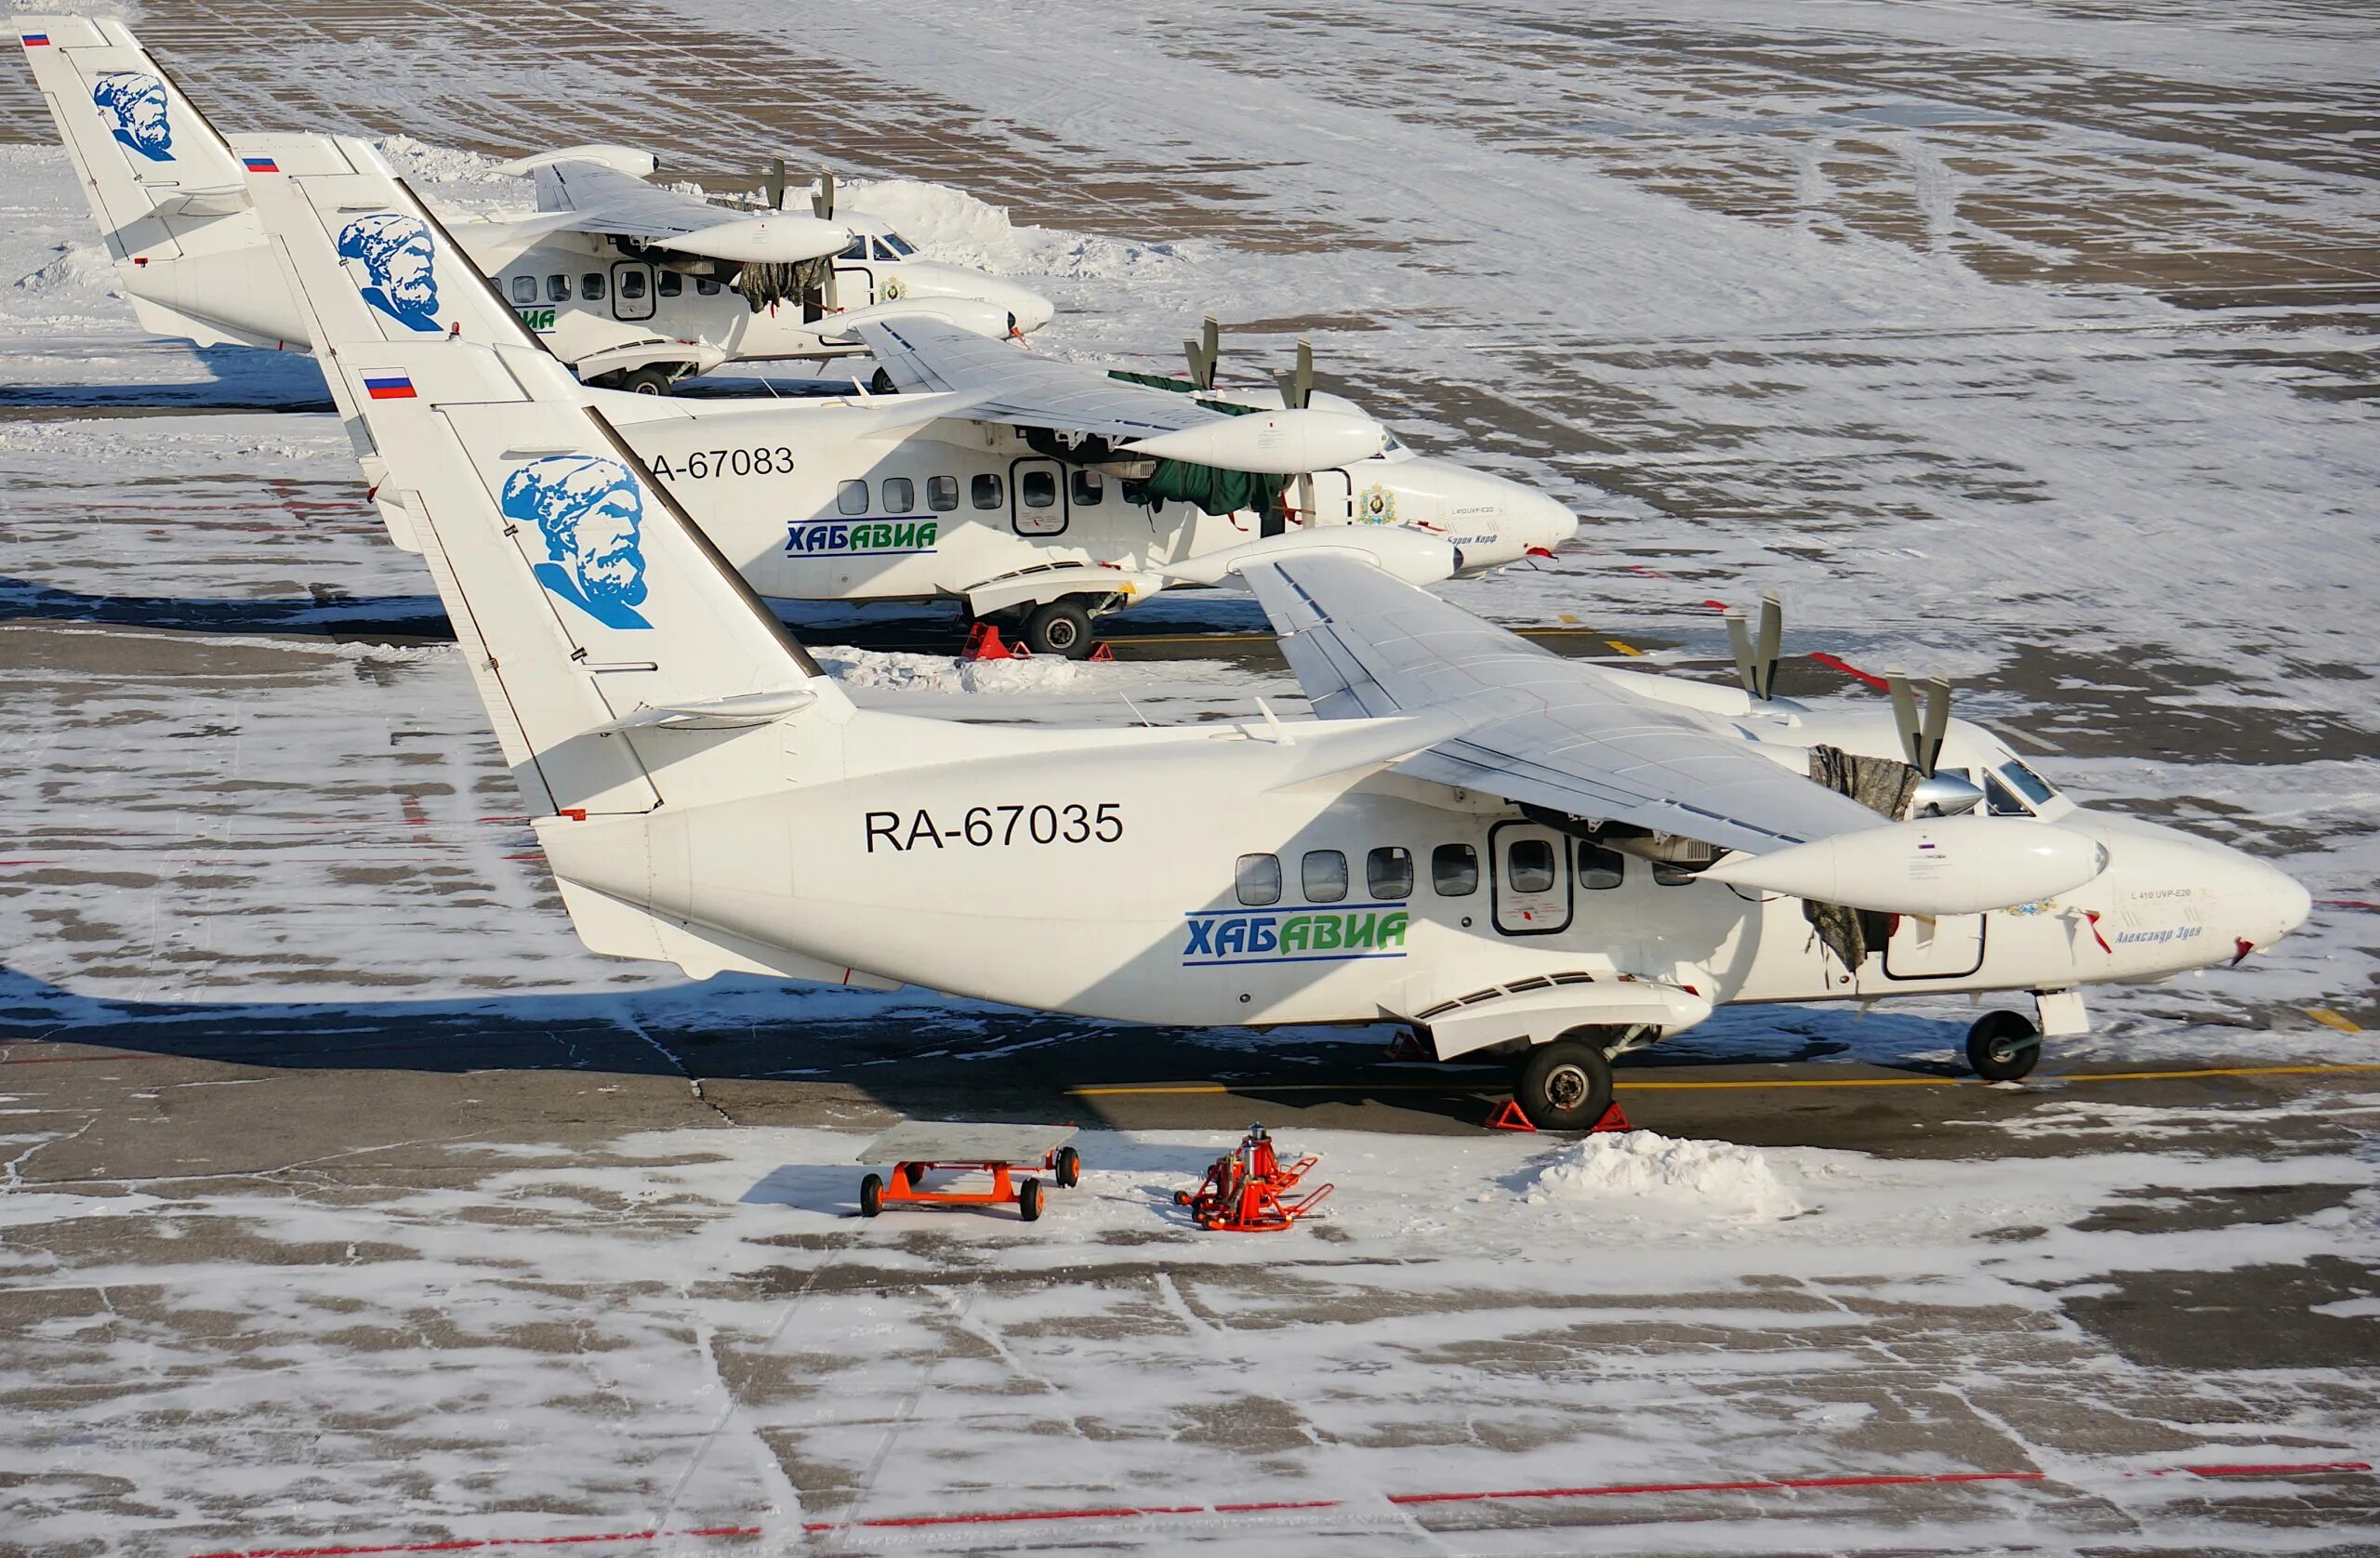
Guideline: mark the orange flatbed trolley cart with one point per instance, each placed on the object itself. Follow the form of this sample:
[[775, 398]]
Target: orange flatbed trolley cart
[[915, 1148]]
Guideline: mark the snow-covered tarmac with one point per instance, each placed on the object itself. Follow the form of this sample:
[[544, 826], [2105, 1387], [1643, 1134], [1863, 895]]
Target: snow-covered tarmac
[[349, 1204]]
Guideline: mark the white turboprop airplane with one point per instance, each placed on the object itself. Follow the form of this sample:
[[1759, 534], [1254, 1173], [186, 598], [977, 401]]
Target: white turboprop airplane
[[1038, 492], [634, 285], [1513, 852]]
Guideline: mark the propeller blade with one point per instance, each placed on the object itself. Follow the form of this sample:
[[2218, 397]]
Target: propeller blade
[[1756, 664], [1204, 352], [822, 205], [772, 184], [1920, 733], [1297, 388]]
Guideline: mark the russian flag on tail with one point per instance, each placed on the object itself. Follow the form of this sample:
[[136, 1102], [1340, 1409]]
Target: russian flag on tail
[[261, 164], [387, 386], [33, 40]]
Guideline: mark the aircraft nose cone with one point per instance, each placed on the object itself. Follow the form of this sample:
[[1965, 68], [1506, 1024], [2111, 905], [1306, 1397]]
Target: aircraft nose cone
[[1032, 309], [1551, 523]]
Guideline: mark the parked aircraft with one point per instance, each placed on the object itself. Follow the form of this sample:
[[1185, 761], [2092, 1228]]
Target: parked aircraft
[[1038, 492], [634, 285], [1515, 853]]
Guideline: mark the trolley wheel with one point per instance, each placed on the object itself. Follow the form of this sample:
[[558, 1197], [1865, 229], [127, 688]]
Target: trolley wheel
[[1028, 1200], [915, 1173], [1180, 1197], [1061, 628], [871, 1196], [2003, 1046], [1069, 1167], [1565, 1086]]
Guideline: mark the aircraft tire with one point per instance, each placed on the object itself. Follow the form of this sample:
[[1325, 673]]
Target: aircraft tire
[[1028, 1200], [1061, 628], [646, 381], [871, 1196], [2003, 1046], [1565, 1086], [1069, 1167]]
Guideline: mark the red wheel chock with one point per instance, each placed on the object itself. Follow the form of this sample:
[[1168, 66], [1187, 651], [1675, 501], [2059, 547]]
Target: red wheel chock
[[1243, 1190], [1511, 1118], [983, 643], [1103, 652]]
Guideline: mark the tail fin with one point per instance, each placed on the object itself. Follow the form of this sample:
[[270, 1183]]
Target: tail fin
[[165, 188], [622, 660]]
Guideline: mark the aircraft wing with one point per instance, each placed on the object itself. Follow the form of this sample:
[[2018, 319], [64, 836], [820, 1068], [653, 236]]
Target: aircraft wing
[[600, 198], [1018, 390], [1564, 734]]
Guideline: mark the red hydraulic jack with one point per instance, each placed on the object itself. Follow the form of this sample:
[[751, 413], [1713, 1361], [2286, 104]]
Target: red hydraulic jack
[[1242, 1190]]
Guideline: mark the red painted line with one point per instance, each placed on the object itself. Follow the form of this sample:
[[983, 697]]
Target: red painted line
[[1847, 669], [1010, 1517], [2363, 903], [480, 1543], [1648, 572], [1280, 1504], [1716, 605], [82, 1060], [2273, 1471], [1616, 1490]]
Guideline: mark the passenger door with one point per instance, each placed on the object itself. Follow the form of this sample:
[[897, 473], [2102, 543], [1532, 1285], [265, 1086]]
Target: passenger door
[[1037, 497], [1528, 866], [1946, 947], [632, 290]]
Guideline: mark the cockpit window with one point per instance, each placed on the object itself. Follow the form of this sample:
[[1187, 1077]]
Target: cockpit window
[[2003, 802], [2031, 785], [902, 248], [858, 249], [1389, 444], [885, 250]]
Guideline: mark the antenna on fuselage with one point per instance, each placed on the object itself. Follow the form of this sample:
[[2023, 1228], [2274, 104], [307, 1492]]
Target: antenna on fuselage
[[1757, 662]]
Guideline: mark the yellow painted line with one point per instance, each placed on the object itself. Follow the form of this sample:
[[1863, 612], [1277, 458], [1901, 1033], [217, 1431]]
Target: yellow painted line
[[1566, 616], [2330, 1019], [1625, 649], [1452, 1085]]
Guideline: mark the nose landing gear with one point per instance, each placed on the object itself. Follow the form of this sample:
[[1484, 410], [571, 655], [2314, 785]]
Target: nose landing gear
[[2003, 1046]]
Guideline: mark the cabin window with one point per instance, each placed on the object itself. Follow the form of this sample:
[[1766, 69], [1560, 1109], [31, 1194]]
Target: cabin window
[[1038, 488], [2031, 785], [557, 289], [850, 497], [1388, 873], [1600, 870], [631, 283], [1666, 875], [524, 289], [1529, 864], [1089, 489], [670, 283], [1257, 878], [590, 287], [900, 495], [2003, 801], [900, 247], [706, 287], [942, 494], [985, 490], [1454, 870], [1323, 874]]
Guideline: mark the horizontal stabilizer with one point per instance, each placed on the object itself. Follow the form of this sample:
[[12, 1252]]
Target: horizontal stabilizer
[[716, 714]]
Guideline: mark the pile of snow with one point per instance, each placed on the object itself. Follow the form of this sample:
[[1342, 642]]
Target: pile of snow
[[882, 670], [1638, 1165], [953, 226], [80, 269]]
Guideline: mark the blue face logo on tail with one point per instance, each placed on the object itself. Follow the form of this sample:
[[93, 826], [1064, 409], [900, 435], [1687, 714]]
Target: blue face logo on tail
[[590, 513], [398, 254], [134, 105]]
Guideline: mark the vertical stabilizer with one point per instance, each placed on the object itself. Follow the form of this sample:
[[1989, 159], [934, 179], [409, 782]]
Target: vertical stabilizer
[[624, 663]]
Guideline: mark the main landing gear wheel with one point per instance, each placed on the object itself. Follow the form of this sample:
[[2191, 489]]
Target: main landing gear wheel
[[1069, 1167], [871, 1196], [646, 381], [1028, 1200], [1565, 1086], [1061, 628], [2003, 1046]]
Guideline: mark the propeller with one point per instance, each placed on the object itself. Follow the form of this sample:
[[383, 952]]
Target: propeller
[[822, 201], [1756, 666], [1297, 388], [1921, 734], [772, 184], [1204, 353]]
